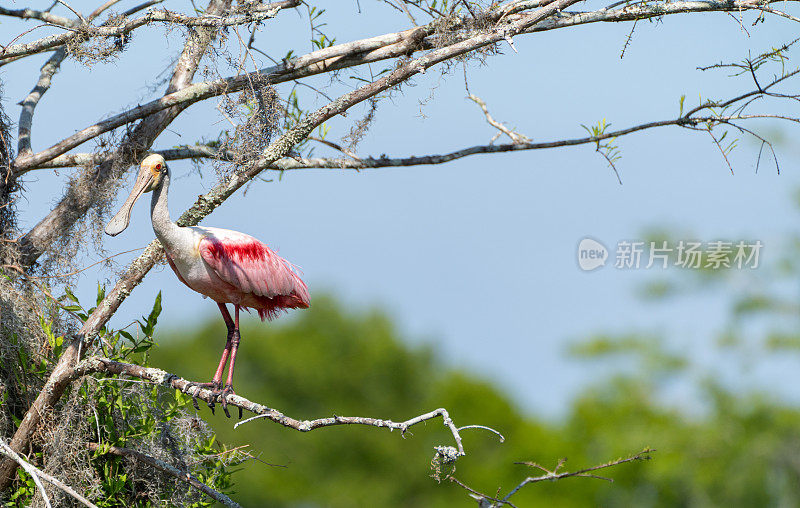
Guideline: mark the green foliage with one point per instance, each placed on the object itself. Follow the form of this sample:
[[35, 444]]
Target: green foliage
[[116, 412], [605, 146]]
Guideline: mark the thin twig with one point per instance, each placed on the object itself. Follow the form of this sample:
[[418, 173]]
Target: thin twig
[[37, 473], [366, 162], [335, 146], [721, 150], [550, 475], [483, 427], [68, 6], [70, 274], [29, 468], [514, 136]]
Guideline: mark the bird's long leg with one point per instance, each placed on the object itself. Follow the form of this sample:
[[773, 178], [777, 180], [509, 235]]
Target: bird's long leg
[[234, 346], [216, 383]]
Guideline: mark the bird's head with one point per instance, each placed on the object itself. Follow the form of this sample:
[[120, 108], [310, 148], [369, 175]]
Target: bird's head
[[151, 176]]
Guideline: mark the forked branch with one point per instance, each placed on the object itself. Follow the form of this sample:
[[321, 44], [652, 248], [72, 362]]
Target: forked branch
[[486, 501], [356, 162], [38, 475]]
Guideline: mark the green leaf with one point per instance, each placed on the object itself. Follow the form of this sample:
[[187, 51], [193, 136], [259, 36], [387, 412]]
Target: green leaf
[[101, 293]]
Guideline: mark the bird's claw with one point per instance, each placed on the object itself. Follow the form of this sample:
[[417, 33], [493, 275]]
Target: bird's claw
[[218, 394], [193, 387], [223, 398]]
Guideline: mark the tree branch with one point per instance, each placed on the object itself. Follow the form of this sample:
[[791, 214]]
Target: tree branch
[[37, 473], [158, 376], [205, 204], [29, 104], [649, 10], [63, 216], [97, 12], [485, 501], [47, 71], [200, 91], [515, 137], [29, 468], [167, 468], [47, 17], [68, 210], [87, 31], [358, 53], [367, 162]]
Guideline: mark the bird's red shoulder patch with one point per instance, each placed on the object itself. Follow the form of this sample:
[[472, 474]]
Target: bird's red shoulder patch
[[241, 250]]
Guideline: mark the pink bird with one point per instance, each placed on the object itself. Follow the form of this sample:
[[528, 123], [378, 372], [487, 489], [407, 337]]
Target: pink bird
[[226, 266]]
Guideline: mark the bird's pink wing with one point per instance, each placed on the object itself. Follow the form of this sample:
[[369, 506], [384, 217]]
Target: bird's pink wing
[[252, 267]]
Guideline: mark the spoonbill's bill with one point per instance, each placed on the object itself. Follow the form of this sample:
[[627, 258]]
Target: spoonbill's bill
[[226, 266]]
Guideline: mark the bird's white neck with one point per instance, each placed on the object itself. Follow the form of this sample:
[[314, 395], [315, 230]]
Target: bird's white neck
[[166, 230]]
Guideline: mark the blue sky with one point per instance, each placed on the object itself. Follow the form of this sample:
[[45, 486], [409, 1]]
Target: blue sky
[[477, 256]]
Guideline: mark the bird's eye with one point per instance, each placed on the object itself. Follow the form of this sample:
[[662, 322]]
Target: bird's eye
[[158, 166]]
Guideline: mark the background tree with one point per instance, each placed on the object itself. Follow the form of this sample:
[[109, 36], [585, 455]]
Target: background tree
[[271, 129]]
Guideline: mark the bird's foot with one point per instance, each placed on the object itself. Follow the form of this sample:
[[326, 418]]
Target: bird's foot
[[222, 395], [213, 386]]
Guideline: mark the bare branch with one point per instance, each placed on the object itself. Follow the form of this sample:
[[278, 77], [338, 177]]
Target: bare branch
[[142, 7], [97, 12], [550, 475], [76, 13], [102, 8], [32, 100], [54, 19], [352, 54], [780, 13], [365, 162], [158, 376], [37, 473], [335, 146], [514, 136], [167, 468], [649, 10], [194, 93], [47, 71], [129, 25], [555, 475], [28, 467]]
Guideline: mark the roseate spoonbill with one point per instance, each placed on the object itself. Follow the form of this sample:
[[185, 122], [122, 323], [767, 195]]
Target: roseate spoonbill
[[226, 266]]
